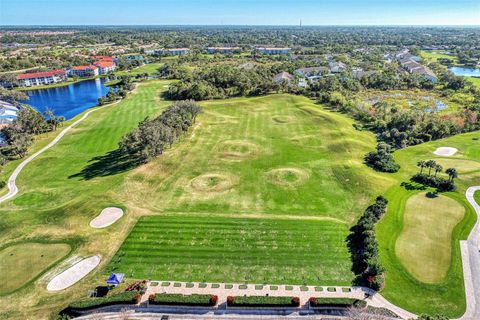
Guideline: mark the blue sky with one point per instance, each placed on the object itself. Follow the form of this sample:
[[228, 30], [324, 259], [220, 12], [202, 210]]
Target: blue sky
[[240, 12]]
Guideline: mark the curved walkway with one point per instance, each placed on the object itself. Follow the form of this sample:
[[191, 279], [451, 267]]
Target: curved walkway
[[12, 180], [471, 262]]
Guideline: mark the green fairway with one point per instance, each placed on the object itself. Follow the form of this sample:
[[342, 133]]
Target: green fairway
[[424, 245], [214, 249], [433, 55], [151, 69], [23, 262]]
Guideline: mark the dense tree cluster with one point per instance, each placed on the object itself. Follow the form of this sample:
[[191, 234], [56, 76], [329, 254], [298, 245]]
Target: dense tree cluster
[[19, 136], [222, 81], [118, 91], [382, 160], [431, 179], [363, 246], [150, 138]]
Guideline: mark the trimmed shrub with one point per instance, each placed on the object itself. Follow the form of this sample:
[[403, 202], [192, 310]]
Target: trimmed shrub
[[183, 300], [336, 302], [263, 301], [129, 297]]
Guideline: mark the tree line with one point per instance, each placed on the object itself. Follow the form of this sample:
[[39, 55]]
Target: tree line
[[363, 246], [151, 137]]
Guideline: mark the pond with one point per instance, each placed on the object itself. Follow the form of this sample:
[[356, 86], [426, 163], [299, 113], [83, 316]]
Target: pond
[[68, 101], [465, 71]]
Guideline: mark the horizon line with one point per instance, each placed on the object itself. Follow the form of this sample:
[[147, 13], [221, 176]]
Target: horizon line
[[239, 25]]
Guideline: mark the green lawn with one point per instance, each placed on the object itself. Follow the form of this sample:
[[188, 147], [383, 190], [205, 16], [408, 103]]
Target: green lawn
[[434, 55], [214, 249], [424, 245], [23, 262]]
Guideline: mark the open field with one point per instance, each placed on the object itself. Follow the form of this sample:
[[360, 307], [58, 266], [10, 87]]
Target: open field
[[424, 245], [269, 163], [23, 262], [213, 249]]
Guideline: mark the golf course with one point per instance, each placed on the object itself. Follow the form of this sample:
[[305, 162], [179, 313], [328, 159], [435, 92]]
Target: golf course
[[260, 190]]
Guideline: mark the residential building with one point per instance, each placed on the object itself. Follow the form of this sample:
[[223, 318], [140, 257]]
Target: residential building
[[171, 52], [84, 71], [311, 71], [336, 67], [224, 50], [409, 64], [283, 77], [270, 50], [105, 66], [103, 58], [8, 113], [42, 78]]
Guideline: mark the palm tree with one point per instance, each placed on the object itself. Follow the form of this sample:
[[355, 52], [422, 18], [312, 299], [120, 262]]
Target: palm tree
[[438, 168], [452, 173], [430, 165], [421, 164]]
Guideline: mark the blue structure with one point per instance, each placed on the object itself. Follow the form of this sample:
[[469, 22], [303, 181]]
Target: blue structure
[[115, 279]]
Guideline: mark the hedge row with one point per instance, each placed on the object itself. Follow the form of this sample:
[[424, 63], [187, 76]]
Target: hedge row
[[131, 297], [336, 302], [184, 300], [262, 301]]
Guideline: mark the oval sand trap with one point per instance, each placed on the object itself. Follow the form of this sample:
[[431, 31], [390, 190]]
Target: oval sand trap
[[107, 217], [73, 274], [445, 151]]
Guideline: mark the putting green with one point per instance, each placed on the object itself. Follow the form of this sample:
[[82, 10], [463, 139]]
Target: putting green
[[425, 244], [21, 263]]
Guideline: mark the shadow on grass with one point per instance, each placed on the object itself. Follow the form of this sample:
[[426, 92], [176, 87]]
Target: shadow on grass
[[112, 163]]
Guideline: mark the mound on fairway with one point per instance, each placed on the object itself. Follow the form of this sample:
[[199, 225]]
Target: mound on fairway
[[213, 182], [238, 150], [21, 263], [288, 177], [283, 119], [425, 244], [107, 217], [73, 274], [445, 151], [218, 249]]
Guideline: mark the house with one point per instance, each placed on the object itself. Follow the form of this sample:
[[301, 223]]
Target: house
[[283, 77], [104, 66], [312, 71], [336, 67], [84, 71], [224, 50], [414, 67], [269, 50], [42, 78], [8, 113], [103, 58], [359, 73]]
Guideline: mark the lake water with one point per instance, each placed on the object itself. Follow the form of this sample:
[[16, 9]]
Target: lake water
[[465, 71], [68, 101]]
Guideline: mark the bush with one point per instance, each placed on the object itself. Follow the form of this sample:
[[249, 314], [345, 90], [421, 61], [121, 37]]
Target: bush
[[263, 301], [441, 184], [183, 300], [336, 302], [381, 159], [2, 184], [130, 297]]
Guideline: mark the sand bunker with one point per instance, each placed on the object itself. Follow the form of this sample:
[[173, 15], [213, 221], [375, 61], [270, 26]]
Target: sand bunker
[[238, 150], [73, 274], [288, 177], [445, 151], [213, 182], [283, 119], [107, 217]]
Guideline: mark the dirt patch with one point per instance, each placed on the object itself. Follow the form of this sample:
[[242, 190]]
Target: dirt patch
[[214, 182], [238, 150], [445, 151], [288, 177], [283, 119]]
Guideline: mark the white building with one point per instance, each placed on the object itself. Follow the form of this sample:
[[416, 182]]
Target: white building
[[42, 78], [8, 113], [84, 71], [105, 66], [270, 50]]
